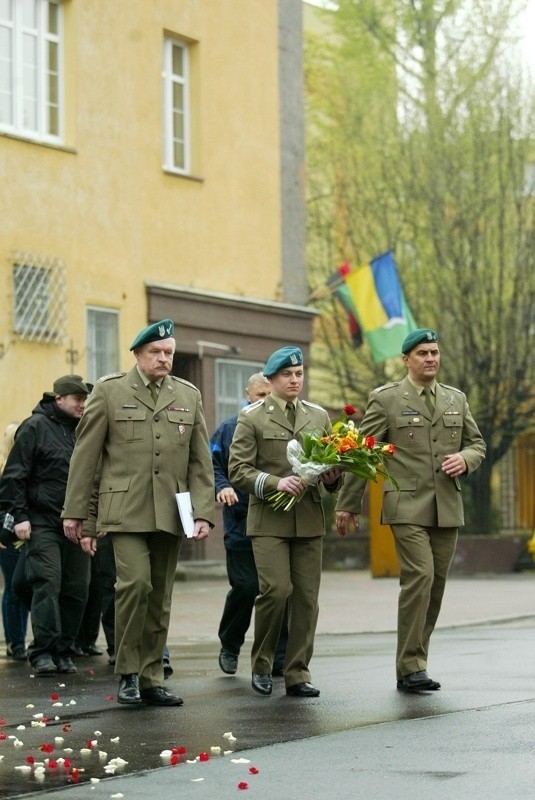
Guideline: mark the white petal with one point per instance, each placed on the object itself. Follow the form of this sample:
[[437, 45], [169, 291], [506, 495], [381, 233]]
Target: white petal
[[240, 760]]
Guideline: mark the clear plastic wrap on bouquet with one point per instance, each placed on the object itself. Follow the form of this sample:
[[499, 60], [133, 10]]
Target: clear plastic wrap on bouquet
[[308, 471]]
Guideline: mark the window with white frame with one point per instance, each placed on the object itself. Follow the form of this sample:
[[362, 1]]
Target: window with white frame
[[176, 106], [31, 69], [231, 378], [39, 304], [102, 342]]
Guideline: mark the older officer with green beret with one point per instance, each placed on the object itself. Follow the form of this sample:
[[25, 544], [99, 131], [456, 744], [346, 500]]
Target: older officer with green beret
[[437, 442], [287, 545], [146, 429]]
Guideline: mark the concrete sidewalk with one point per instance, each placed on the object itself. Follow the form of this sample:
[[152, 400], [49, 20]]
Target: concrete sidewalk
[[353, 602]]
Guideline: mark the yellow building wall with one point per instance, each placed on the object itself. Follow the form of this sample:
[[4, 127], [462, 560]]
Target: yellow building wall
[[103, 202]]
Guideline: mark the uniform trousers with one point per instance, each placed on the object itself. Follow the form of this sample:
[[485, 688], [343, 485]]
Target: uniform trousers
[[289, 569], [239, 604], [59, 573], [425, 554], [146, 568]]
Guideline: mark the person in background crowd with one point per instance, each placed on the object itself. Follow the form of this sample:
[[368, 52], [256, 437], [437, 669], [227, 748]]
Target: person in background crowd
[[241, 568], [146, 429], [287, 545], [14, 611], [437, 442], [33, 483]]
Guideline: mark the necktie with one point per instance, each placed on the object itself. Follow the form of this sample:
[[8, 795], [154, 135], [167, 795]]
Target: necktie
[[428, 398], [290, 413], [153, 389]]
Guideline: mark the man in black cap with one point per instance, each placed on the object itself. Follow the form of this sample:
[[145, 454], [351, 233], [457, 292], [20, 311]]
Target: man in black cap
[[437, 442], [33, 484], [146, 433]]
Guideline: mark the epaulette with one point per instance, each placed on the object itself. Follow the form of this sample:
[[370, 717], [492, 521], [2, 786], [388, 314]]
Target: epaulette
[[253, 405], [453, 388], [312, 405], [387, 386], [182, 380], [111, 375]]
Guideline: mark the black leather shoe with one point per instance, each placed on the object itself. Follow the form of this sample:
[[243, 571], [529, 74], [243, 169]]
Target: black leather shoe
[[76, 651], [43, 665], [158, 696], [228, 662], [65, 664], [19, 653], [167, 668], [417, 682], [263, 684], [92, 650], [302, 690], [129, 690]]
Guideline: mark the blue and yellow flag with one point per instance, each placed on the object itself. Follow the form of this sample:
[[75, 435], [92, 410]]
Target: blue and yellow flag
[[381, 309]]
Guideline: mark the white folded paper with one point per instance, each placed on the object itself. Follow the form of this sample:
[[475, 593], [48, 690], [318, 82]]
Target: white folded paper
[[185, 510]]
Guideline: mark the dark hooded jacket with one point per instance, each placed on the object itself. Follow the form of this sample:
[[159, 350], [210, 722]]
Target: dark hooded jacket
[[34, 480]]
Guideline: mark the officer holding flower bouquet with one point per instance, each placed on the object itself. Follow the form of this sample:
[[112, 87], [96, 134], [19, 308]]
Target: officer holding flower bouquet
[[437, 442], [287, 545]]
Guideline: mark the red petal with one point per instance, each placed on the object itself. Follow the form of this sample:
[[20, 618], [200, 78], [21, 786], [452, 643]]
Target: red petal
[[243, 785], [253, 770], [54, 696], [204, 757]]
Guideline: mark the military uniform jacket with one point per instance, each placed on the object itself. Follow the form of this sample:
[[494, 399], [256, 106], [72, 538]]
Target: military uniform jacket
[[148, 454], [258, 461], [397, 414]]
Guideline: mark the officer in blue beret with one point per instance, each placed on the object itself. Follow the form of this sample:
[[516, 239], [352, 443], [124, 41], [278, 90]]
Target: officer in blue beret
[[437, 443]]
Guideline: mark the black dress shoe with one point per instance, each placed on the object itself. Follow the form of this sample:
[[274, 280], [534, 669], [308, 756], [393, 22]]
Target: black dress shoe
[[128, 693], [76, 651], [43, 665], [92, 650], [228, 662], [417, 682], [65, 664], [263, 684], [302, 690], [158, 696], [19, 653]]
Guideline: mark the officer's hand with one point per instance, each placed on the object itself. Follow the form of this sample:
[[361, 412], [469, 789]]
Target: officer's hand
[[201, 529], [291, 485], [344, 520], [331, 476], [89, 545], [227, 496], [23, 530], [72, 528], [454, 465]]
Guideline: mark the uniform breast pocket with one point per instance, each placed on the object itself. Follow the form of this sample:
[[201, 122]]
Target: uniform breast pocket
[[180, 427], [274, 444], [130, 424], [409, 429], [453, 425]]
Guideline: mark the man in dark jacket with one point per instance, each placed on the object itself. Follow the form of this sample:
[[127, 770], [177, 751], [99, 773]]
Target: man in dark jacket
[[241, 569], [33, 484]]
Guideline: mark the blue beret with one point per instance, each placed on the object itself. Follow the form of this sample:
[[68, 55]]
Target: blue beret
[[289, 356], [163, 329], [419, 335]]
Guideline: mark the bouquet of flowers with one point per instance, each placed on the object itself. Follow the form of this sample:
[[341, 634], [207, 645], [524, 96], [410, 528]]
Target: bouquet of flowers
[[344, 448]]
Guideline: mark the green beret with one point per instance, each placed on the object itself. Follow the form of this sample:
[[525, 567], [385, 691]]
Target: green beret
[[289, 356], [164, 329], [68, 384], [425, 335]]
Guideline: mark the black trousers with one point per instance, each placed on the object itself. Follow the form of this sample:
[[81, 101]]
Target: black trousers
[[59, 572], [239, 605]]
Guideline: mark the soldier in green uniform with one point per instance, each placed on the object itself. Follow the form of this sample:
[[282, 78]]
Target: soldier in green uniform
[[145, 430], [287, 545], [437, 442]]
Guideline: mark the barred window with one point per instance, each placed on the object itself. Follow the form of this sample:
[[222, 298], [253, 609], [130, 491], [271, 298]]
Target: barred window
[[39, 305]]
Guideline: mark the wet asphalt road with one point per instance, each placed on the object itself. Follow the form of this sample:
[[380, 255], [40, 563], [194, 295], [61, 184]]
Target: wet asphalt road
[[474, 738]]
